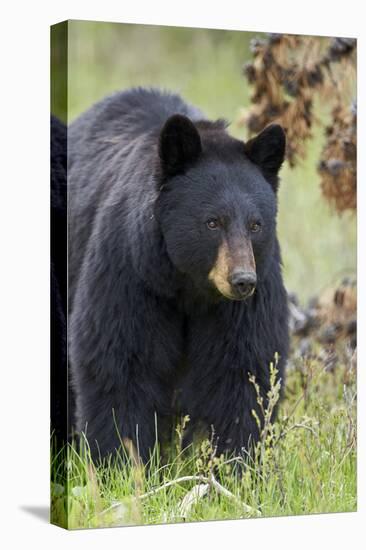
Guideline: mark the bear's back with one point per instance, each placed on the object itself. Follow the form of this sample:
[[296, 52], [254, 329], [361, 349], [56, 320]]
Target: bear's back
[[135, 111], [112, 149]]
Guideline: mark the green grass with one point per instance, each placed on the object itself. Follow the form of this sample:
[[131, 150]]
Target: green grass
[[305, 464]]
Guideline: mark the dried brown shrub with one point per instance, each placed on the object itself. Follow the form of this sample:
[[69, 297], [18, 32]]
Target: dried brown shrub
[[337, 166], [288, 73]]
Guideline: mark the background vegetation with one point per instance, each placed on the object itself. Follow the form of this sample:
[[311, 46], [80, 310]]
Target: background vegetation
[[312, 469]]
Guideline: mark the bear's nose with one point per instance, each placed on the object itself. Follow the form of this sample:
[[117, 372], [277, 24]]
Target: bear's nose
[[243, 282]]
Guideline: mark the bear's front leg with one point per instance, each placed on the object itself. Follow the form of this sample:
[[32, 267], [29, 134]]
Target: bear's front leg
[[124, 348], [121, 411], [228, 346], [227, 405]]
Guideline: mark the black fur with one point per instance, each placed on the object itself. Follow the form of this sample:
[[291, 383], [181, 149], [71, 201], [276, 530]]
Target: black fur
[[58, 281], [146, 324], [267, 151]]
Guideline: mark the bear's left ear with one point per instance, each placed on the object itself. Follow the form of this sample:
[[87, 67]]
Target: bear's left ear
[[179, 144], [267, 150]]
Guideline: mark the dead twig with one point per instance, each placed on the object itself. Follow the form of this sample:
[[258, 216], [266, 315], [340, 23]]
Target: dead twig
[[221, 490], [173, 482], [299, 425], [194, 495]]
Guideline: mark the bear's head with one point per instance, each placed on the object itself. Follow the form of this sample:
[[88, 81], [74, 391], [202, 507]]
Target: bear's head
[[217, 203]]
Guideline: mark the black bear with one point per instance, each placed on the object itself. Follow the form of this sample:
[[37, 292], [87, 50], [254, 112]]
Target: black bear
[[176, 293]]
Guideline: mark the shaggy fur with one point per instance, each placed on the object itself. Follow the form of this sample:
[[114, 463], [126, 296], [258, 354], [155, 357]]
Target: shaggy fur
[[58, 281], [151, 333]]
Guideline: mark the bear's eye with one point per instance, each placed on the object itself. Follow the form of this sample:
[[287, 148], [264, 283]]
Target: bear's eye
[[212, 223], [255, 227]]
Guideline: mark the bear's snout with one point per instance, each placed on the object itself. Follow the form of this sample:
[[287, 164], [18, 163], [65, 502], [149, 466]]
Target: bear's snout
[[234, 272]]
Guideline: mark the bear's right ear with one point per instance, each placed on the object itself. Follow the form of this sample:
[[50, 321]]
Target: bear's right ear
[[267, 150], [179, 144]]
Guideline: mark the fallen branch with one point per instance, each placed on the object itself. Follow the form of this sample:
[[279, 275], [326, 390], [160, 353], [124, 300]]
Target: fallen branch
[[220, 489], [174, 482], [195, 494], [192, 497]]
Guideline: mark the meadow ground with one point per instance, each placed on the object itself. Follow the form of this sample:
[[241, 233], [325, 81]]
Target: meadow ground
[[310, 465], [305, 464]]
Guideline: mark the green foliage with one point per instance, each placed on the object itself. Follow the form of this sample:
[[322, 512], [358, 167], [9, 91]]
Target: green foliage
[[305, 463], [203, 65], [318, 246]]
